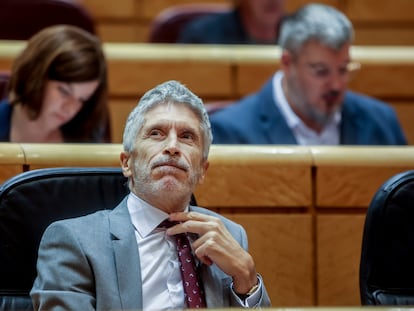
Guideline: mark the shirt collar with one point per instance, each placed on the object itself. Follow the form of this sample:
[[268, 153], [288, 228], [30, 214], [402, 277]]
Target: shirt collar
[[280, 100], [144, 216]]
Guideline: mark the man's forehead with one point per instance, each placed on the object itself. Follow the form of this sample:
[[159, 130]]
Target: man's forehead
[[168, 106], [163, 113]]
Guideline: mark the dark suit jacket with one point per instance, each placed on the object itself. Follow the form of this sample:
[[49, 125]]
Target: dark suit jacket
[[257, 120], [5, 117], [92, 263], [216, 28]]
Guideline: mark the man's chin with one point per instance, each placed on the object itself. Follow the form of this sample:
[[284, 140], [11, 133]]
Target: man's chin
[[169, 183]]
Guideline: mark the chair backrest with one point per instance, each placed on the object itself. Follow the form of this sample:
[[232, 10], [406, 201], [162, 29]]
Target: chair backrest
[[32, 200], [29, 202], [217, 105], [387, 255], [168, 24], [4, 79], [21, 19]]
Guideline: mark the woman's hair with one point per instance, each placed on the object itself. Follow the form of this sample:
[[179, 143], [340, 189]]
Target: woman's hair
[[170, 92], [315, 22], [68, 54]]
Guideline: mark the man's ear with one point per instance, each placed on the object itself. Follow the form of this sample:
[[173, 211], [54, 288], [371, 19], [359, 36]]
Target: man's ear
[[125, 158], [286, 60], [205, 167]]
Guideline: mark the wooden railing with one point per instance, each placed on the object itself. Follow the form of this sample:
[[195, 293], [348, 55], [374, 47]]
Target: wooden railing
[[303, 207], [218, 73]]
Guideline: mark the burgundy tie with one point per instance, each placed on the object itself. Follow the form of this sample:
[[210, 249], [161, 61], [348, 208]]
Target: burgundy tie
[[193, 287]]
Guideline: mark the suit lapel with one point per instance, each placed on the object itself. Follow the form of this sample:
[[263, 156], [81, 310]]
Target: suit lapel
[[129, 275], [273, 124], [352, 126], [127, 263]]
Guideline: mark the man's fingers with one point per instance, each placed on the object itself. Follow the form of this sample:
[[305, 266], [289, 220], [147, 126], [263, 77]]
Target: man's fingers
[[185, 216]]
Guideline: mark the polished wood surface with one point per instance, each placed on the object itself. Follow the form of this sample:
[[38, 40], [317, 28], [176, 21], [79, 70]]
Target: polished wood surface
[[54, 155], [286, 176], [12, 160], [302, 207], [346, 180]]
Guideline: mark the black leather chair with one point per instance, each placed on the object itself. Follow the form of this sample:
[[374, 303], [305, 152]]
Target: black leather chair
[[21, 19], [387, 255], [29, 202]]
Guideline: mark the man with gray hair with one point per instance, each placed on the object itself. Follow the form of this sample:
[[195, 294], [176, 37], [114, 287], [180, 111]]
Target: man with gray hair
[[307, 101], [154, 251]]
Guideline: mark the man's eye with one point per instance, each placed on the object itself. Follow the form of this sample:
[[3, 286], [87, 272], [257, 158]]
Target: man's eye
[[188, 136], [343, 71], [322, 72], [155, 133]]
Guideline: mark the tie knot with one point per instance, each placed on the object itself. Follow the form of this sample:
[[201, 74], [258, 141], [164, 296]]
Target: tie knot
[[165, 224]]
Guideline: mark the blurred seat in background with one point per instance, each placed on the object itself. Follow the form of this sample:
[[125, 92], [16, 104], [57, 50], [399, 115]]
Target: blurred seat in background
[[167, 25], [20, 19], [216, 105]]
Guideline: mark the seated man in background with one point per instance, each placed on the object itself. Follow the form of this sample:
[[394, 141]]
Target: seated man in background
[[307, 101], [250, 22], [126, 259]]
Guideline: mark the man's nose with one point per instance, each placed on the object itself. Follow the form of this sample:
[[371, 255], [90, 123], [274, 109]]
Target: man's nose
[[172, 144], [338, 81]]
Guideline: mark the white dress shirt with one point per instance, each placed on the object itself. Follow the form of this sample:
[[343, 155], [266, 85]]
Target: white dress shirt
[[162, 286], [303, 134], [160, 273]]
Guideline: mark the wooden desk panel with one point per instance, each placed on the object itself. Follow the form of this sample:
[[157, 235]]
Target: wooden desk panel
[[380, 11], [82, 155], [261, 72], [115, 32], [381, 34], [119, 110], [293, 5], [405, 112], [384, 80], [349, 187], [284, 259], [109, 9], [338, 247], [252, 176], [134, 78], [12, 160], [349, 176]]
